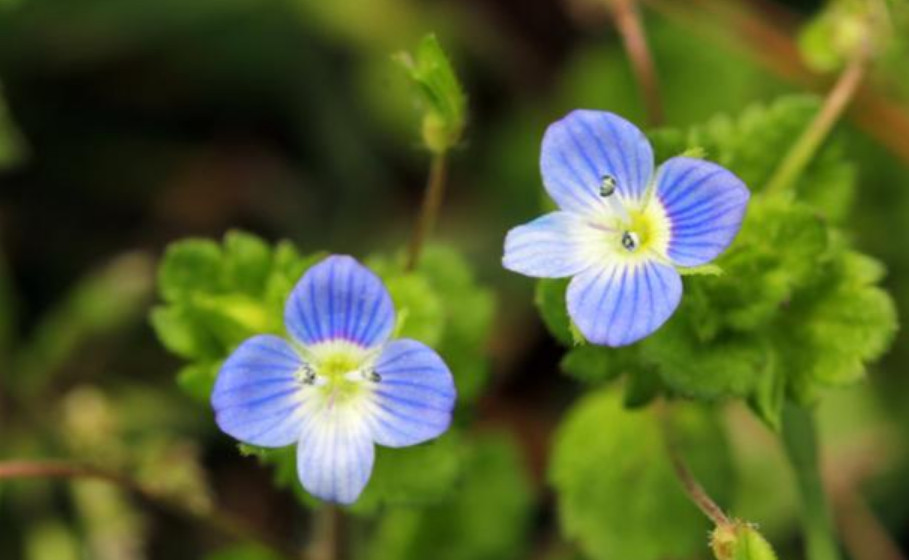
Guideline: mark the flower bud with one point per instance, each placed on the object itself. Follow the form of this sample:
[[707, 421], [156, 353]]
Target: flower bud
[[740, 541], [443, 100]]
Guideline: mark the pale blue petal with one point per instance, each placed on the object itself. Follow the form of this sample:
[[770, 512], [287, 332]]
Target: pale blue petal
[[340, 299], [582, 148], [622, 303], [335, 455], [705, 204], [256, 397], [414, 396], [556, 245]]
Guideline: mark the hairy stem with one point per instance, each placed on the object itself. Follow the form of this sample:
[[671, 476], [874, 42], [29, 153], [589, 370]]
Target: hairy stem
[[693, 489], [432, 201], [802, 152], [628, 23], [800, 440], [211, 518]]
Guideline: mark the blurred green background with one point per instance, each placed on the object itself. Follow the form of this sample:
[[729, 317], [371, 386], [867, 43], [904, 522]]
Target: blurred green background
[[128, 124]]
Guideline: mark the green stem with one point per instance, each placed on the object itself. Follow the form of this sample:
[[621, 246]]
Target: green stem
[[800, 439], [802, 152], [432, 202]]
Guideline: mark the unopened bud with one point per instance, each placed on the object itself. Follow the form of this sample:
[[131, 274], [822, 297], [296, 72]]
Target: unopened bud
[[740, 541]]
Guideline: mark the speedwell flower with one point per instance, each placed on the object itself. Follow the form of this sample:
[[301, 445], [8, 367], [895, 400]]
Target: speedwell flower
[[338, 386], [621, 229]]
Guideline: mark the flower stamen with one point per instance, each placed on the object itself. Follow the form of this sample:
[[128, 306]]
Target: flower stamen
[[306, 375], [608, 186], [630, 241]]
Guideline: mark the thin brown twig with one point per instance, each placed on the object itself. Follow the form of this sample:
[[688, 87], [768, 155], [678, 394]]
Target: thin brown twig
[[326, 542], [628, 22], [693, 489], [768, 40], [863, 534], [432, 202], [216, 520]]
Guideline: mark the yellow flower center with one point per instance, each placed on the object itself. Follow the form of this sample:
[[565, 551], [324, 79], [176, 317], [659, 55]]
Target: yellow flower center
[[645, 230], [339, 370]]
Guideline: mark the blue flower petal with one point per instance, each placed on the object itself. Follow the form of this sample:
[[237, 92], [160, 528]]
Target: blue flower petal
[[414, 397], [582, 148], [256, 397], [556, 245], [336, 454], [340, 299], [622, 303], [705, 204]]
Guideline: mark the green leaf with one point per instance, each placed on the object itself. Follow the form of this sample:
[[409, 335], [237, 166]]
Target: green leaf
[[642, 386], [469, 310], [443, 100], [730, 365], [776, 253], [443, 305], [180, 333], [487, 517], [618, 496], [189, 267], [420, 312], [246, 262], [597, 364], [753, 145], [769, 393], [413, 476], [198, 379], [215, 296], [832, 331]]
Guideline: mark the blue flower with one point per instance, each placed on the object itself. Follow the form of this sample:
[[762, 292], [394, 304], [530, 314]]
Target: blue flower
[[338, 386], [622, 229]]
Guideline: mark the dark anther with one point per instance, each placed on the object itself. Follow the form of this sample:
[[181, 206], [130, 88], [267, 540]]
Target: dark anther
[[374, 376], [629, 241], [307, 375], [607, 186]]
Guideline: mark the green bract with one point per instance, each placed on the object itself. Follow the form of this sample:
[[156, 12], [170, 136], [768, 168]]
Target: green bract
[[443, 101], [740, 541], [618, 495]]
